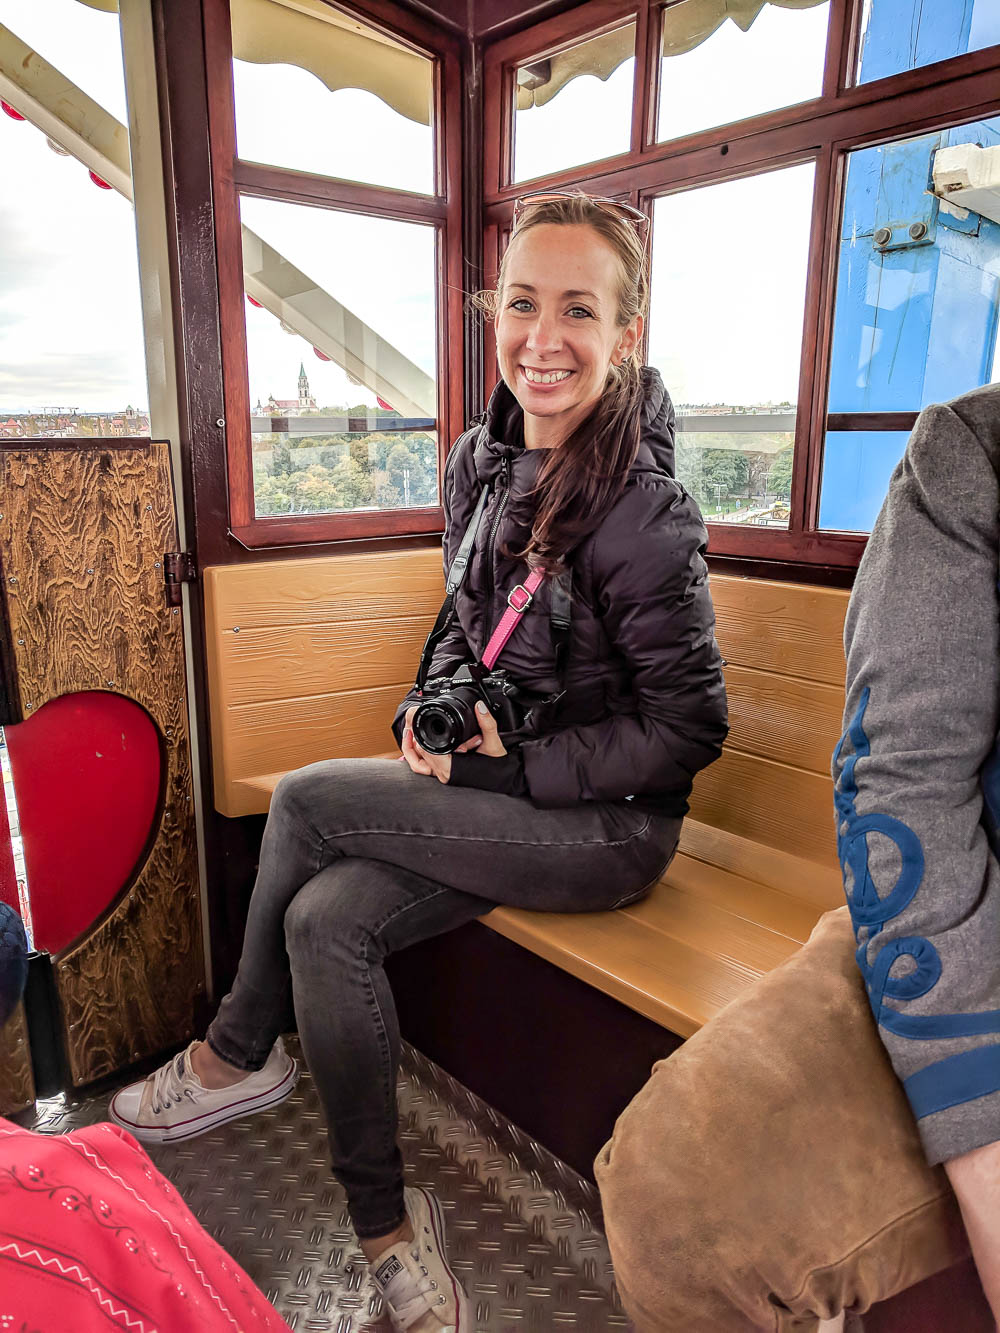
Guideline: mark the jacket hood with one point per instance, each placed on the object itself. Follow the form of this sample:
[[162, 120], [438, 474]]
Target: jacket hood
[[501, 434]]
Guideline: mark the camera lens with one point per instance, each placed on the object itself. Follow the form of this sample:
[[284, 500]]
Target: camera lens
[[437, 727]]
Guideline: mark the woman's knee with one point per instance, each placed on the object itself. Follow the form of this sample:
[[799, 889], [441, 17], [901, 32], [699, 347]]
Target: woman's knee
[[316, 924], [294, 793]]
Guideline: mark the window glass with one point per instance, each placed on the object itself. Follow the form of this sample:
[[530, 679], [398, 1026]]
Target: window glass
[[317, 90], [576, 106], [72, 359], [897, 35], [918, 291], [725, 330], [341, 350], [715, 68]]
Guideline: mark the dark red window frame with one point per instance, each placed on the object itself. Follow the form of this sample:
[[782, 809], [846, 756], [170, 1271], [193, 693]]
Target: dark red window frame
[[823, 130], [232, 177]]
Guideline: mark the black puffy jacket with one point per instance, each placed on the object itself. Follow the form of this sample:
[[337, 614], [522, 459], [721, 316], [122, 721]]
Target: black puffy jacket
[[645, 704]]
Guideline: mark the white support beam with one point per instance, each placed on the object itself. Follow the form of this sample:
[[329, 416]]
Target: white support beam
[[64, 112], [294, 298]]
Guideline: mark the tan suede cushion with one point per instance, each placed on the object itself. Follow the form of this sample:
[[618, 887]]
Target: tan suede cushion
[[769, 1173]]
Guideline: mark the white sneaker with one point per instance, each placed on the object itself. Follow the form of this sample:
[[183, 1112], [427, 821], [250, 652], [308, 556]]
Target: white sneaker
[[173, 1104], [421, 1293]]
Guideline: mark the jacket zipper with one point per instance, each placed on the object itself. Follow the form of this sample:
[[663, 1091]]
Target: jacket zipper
[[494, 528]]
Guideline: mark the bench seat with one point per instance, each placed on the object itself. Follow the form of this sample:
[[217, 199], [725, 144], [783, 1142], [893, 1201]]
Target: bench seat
[[702, 936], [301, 653]]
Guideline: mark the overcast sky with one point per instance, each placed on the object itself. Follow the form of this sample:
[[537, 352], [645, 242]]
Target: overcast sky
[[728, 261]]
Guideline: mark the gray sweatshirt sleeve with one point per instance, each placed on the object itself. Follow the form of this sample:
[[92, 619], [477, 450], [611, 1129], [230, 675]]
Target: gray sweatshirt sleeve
[[923, 683]]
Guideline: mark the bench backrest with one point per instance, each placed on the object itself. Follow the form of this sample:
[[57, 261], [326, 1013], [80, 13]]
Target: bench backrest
[[308, 659], [765, 809]]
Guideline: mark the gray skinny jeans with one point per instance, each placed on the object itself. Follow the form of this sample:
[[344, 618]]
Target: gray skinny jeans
[[362, 857]]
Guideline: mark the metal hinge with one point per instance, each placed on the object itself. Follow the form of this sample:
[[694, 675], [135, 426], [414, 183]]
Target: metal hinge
[[178, 568]]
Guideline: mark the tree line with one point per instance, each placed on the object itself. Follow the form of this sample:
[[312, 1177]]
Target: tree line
[[319, 474]]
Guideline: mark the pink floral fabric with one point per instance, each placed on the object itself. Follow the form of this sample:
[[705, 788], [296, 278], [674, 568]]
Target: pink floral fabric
[[93, 1238]]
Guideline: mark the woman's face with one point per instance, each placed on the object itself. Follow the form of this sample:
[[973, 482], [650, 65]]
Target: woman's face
[[557, 326]]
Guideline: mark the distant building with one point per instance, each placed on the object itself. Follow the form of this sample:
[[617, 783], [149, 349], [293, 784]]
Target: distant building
[[289, 407], [64, 424]]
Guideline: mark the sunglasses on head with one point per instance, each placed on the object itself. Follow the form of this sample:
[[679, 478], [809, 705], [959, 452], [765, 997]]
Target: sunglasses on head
[[638, 219]]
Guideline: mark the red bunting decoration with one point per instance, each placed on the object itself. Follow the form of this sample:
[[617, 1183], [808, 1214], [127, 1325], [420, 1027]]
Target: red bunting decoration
[[101, 184], [9, 111], [322, 355], [382, 403]]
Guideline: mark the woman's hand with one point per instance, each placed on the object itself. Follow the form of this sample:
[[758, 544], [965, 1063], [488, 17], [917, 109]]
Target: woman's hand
[[439, 765], [490, 742]]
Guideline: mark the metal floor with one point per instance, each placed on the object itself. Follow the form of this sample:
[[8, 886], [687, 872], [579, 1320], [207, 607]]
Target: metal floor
[[523, 1229]]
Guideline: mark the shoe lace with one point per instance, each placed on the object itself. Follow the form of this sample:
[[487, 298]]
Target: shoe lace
[[419, 1296], [167, 1084]]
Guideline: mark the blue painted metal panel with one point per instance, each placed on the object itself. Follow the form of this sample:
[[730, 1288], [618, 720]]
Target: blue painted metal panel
[[916, 318], [857, 466], [904, 34]]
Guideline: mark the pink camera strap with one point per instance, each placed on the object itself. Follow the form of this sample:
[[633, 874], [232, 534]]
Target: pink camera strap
[[518, 600]]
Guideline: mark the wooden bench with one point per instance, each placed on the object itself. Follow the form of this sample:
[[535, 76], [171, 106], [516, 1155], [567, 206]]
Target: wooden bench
[[308, 659]]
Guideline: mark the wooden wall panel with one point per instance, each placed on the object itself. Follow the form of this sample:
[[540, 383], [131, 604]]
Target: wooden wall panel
[[257, 665], [757, 799], [307, 660], [17, 1085], [784, 718], [82, 543], [279, 736], [375, 586], [784, 627]]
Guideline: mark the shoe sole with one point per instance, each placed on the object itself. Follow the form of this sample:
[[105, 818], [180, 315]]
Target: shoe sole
[[190, 1129], [463, 1320]]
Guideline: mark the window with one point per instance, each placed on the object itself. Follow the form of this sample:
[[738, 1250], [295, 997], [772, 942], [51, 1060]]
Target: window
[[326, 440], [716, 68], [72, 359], [725, 332], [575, 106], [338, 397], [816, 277], [316, 90], [897, 35]]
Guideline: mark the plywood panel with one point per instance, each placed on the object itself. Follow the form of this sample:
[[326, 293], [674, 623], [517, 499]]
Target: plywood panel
[[784, 718], [17, 1084], [757, 799], [82, 535], [789, 628], [257, 665], [373, 586]]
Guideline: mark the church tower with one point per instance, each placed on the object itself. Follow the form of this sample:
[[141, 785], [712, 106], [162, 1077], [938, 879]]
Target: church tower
[[304, 399]]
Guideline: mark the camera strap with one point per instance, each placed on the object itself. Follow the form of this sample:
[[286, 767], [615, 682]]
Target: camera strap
[[456, 575], [518, 600]]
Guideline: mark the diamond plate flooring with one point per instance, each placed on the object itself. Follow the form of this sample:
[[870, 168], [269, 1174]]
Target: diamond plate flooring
[[523, 1229]]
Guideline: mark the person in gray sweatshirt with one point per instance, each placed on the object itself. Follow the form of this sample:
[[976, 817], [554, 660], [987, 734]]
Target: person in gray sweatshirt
[[832, 1136], [916, 795]]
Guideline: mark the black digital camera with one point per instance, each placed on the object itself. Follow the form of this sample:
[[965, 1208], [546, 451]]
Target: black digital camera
[[447, 718]]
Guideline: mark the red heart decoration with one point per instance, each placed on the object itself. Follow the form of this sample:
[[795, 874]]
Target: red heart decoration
[[88, 778]]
